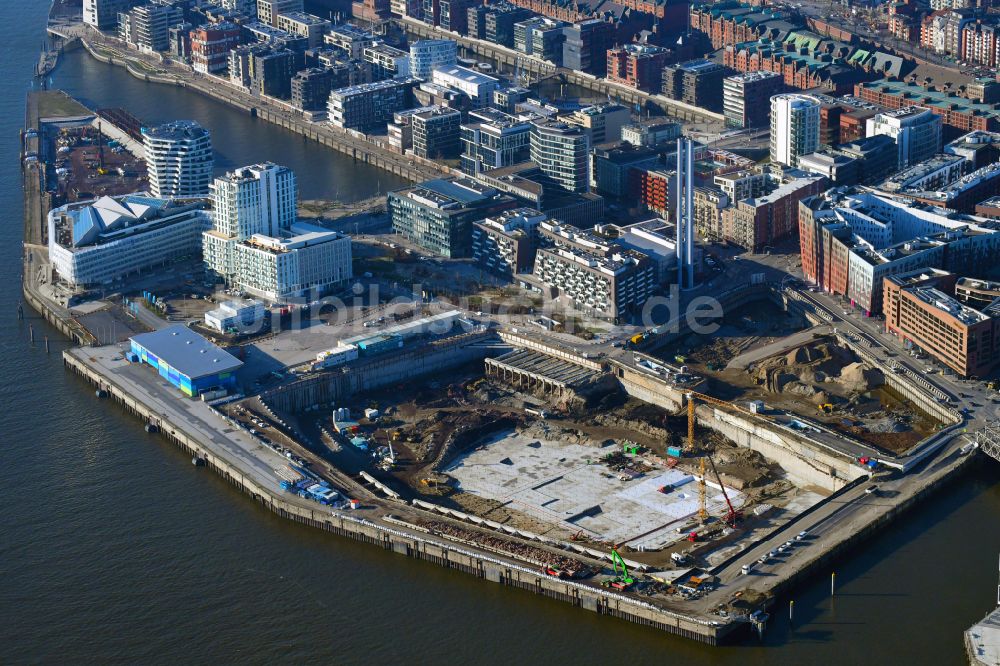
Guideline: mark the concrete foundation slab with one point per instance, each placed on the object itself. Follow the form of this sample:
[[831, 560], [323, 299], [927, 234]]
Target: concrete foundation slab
[[567, 485]]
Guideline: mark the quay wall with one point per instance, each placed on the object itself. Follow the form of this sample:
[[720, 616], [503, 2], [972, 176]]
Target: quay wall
[[65, 325], [808, 569]]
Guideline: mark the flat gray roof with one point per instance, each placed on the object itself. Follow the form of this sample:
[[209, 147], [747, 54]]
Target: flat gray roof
[[187, 352]]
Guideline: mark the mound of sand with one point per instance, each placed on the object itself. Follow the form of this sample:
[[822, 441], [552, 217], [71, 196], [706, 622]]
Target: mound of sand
[[803, 369]]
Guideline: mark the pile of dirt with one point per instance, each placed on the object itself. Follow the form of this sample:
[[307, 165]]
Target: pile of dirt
[[821, 371]]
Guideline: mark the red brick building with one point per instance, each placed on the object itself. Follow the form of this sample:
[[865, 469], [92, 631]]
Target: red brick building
[[211, 44], [637, 65], [733, 24], [766, 220], [669, 12], [957, 112], [800, 71], [924, 314]]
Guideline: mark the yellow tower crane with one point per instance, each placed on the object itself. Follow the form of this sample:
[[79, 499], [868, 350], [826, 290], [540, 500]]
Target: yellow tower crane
[[702, 504]]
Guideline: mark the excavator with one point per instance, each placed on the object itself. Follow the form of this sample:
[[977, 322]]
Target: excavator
[[622, 580]]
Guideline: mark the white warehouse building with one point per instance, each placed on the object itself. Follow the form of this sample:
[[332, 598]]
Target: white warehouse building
[[238, 316]]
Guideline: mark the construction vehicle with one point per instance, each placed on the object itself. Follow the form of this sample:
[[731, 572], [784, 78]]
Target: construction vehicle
[[622, 580], [637, 338], [732, 516], [826, 408], [555, 572]]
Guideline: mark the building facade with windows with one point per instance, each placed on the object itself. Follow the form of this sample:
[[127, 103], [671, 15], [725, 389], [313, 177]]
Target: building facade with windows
[[794, 127], [492, 139], [211, 44], [595, 276], [505, 244], [426, 55], [916, 131], [179, 159], [98, 242], [438, 215], [562, 152], [368, 105], [268, 11]]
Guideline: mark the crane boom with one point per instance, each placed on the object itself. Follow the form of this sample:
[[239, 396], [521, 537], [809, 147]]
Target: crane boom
[[617, 561], [732, 516], [702, 508]]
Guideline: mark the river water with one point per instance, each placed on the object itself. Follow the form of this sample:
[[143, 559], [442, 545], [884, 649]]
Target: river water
[[115, 549]]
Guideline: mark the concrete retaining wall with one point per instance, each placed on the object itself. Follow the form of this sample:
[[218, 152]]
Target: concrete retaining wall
[[804, 461], [335, 385]]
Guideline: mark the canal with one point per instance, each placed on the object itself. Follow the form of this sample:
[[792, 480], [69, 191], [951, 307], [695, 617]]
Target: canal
[[116, 550], [238, 138]]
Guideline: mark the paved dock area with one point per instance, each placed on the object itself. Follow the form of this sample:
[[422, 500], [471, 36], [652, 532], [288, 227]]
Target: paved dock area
[[200, 421], [982, 641]]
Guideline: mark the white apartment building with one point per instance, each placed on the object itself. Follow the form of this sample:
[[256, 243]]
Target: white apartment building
[[147, 27], [477, 87], [101, 241], [103, 14], [915, 129], [257, 199], [257, 245], [245, 7], [308, 259], [794, 127], [426, 55], [179, 159], [562, 152], [304, 25]]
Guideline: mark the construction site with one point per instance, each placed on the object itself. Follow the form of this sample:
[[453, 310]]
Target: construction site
[[575, 460], [766, 360]]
